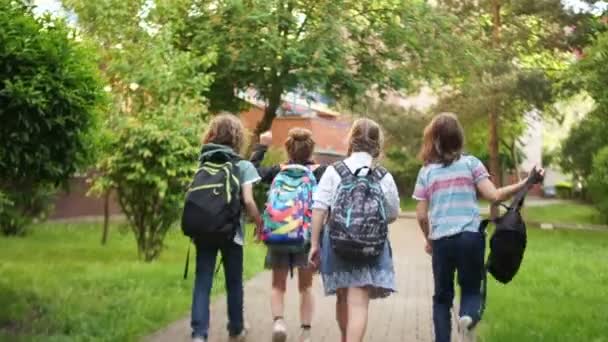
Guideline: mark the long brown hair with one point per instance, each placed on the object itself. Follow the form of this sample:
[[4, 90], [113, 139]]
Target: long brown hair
[[299, 145], [366, 136], [225, 129], [443, 140]]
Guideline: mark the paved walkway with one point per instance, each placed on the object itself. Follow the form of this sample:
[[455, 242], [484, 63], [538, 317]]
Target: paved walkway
[[403, 317]]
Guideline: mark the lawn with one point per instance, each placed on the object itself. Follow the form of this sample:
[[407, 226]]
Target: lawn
[[569, 212], [408, 204], [59, 284], [559, 294]]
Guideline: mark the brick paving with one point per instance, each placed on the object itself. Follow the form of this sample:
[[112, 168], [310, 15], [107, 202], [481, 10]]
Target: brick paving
[[404, 316]]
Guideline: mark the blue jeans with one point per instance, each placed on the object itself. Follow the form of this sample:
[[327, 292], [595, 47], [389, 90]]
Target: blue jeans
[[232, 259], [464, 253]]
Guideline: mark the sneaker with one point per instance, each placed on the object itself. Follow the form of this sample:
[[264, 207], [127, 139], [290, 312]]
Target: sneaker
[[199, 339], [279, 331], [304, 335], [242, 337], [467, 334]]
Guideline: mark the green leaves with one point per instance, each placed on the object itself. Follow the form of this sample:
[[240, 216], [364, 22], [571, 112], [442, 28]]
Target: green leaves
[[50, 94], [151, 165], [598, 182], [345, 49]]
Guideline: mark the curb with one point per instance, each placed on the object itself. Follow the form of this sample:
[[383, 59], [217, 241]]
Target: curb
[[542, 225]]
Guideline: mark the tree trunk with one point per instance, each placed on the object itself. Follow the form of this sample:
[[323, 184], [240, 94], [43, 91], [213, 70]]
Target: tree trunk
[[274, 101], [493, 141], [106, 217]]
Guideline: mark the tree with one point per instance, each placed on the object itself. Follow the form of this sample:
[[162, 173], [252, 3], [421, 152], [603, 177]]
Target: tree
[[526, 48], [598, 182], [346, 49], [155, 120], [50, 93], [588, 137]]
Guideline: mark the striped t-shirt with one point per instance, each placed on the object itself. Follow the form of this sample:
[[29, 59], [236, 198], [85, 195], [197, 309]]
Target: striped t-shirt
[[452, 196]]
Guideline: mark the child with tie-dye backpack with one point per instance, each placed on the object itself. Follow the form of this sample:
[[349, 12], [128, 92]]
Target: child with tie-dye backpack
[[286, 229]]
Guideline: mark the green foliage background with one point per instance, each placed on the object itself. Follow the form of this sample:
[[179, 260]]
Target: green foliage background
[[50, 95]]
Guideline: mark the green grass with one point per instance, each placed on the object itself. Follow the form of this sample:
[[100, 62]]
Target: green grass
[[559, 294], [569, 212], [408, 204], [60, 284]]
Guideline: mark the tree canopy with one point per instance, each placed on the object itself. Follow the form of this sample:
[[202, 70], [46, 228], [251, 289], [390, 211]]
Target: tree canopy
[[345, 49], [526, 50]]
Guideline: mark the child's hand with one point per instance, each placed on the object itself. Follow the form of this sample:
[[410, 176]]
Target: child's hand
[[314, 256], [257, 233], [537, 175], [266, 138], [428, 248]]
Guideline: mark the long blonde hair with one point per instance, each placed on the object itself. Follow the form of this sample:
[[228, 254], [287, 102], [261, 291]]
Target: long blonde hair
[[366, 136], [225, 129]]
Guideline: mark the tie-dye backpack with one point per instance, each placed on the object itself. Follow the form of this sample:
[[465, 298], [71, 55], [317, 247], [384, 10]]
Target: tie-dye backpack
[[288, 212]]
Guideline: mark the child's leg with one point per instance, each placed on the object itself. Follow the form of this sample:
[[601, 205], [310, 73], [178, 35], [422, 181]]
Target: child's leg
[[305, 276], [205, 265], [470, 270], [277, 296], [342, 311], [232, 256], [443, 274], [358, 303]]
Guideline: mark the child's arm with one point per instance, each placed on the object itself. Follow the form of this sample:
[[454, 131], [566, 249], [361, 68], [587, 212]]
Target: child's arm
[[491, 193], [422, 216], [257, 156], [318, 217], [250, 206]]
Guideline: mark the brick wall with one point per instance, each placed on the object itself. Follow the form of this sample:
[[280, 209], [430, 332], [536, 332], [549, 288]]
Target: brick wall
[[76, 203], [329, 132]]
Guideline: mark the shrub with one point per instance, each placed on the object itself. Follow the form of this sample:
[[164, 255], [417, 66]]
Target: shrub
[[598, 182], [564, 190], [404, 169], [154, 158], [49, 96]]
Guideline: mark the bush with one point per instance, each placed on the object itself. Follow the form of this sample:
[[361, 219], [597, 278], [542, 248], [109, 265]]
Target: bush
[[564, 190], [49, 95], [404, 169], [154, 158], [598, 182]]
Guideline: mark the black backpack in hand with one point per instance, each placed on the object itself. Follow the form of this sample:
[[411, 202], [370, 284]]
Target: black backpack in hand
[[509, 239]]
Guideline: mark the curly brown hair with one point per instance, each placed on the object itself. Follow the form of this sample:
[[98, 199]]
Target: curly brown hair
[[366, 136], [299, 145], [443, 140], [225, 129]]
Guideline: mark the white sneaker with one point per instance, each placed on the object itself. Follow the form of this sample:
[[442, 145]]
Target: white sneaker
[[279, 331], [199, 339], [467, 334], [304, 335]]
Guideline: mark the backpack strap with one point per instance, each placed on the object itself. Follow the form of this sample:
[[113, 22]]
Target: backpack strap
[[484, 275], [342, 170], [379, 172]]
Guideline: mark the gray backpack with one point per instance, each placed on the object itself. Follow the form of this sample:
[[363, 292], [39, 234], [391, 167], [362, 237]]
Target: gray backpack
[[358, 227]]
